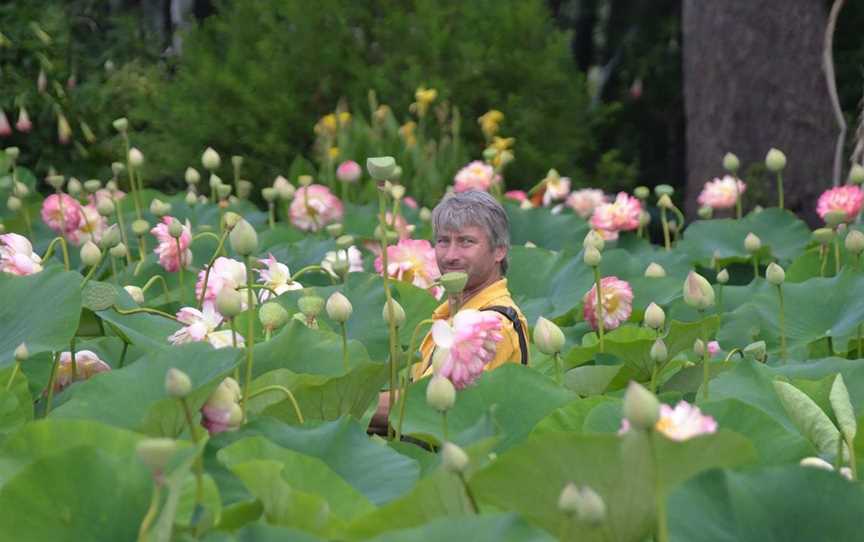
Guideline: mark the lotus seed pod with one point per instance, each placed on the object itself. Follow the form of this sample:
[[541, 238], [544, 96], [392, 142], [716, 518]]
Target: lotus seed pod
[[775, 160], [775, 274], [229, 302], [21, 352], [119, 250], [381, 168], [835, 218], [192, 176], [310, 305], [237, 161], [338, 308], [135, 292], [723, 276], [591, 257], [659, 353], [56, 181], [757, 349], [305, 180], [13, 153], [272, 315], [665, 202], [210, 159], [92, 185], [230, 220], [136, 158], [155, 453], [191, 199], [177, 383], [243, 238], [856, 174], [698, 292], [655, 318], [140, 227], [244, 188], [344, 241], [731, 162], [655, 271], [13, 204], [117, 168], [224, 190], [335, 229], [752, 243], [111, 237], [90, 254], [105, 207], [823, 236], [454, 282], [548, 337], [269, 194], [854, 242], [121, 124], [594, 239], [642, 192], [397, 191], [440, 394], [398, 312], [175, 229], [454, 458], [705, 212], [641, 407], [699, 347], [425, 214], [663, 189]]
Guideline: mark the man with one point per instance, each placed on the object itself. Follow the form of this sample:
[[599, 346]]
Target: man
[[471, 234]]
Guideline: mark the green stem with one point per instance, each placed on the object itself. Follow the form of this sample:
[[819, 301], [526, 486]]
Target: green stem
[[860, 344], [382, 206], [471, 499], [63, 247], [180, 270], [125, 238], [150, 515], [311, 269], [653, 384], [732, 353], [444, 426], [823, 259], [250, 335], [344, 346], [210, 266], [665, 222], [199, 464], [599, 308], [147, 310], [14, 374], [853, 462], [782, 318], [271, 215], [154, 279], [114, 269], [132, 187], [837, 255], [72, 361], [705, 367], [89, 274], [285, 391], [755, 267], [737, 199], [557, 358], [51, 381], [780, 189], [403, 397], [203, 234]]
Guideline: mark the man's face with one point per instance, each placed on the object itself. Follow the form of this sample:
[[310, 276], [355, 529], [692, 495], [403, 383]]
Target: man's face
[[469, 250]]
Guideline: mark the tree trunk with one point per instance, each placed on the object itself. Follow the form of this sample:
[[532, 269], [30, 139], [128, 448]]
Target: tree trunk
[[753, 80]]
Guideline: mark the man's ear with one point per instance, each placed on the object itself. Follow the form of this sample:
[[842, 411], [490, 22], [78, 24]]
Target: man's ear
[[499, 253]]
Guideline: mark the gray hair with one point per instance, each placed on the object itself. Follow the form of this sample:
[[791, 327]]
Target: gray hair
[[474, 208]]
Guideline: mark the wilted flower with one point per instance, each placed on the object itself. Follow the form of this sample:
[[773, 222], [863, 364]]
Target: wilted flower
[[277, 277], [169, 258], [846, 199], [683, 422], [87, 364], [470, 342], [352, 257], [349, 171], [314, 207], [17, 256], [62, 213], [557, 187], [720, 193], [413, 261], [617, 298], [225, 273], [475, 176], [584, 201], [222, 411], [620, 215]]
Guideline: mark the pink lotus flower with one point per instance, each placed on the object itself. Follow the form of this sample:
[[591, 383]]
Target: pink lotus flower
[[87, 364], [62, 213], [201, 326], [90, 227], [410, 202], [516, 195], [412, 260], [226, 273], [23, 124], [277, 277], [349, 171], [17, 256], [222, 412], [846, 199], [353, 255], [5, 127], [620, 215], [475, 176], [683, 422], [585, 201], [713, 348], [617, 297], [470, 342], [314, 207], [721, 193], [169, 257], [556, 188]]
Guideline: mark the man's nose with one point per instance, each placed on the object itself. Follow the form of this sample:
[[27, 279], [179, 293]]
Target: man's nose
[[452, 253]]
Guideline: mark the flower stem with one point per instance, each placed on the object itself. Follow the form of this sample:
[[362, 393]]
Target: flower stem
[[123, 236], [313, 268], [14, 374], [403, 396], [665, 222], [557, 358], [50, 251], [210, 266], [823, 259], [199, 464], [271, 215], [89, 275], [180, 270], [782, 318], [836, 255], [150, 515], [755, 267], [780, 189], [154, 279], [51, 380], [444, 425], [250, 335], [287, 394], [599, 308], [705, 367], [853, 462], [145, 310], [737, 199], [385, 275], [471, 499], [344, 346]]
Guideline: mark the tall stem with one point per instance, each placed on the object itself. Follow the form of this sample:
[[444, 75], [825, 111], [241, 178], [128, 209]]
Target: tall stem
[[150, 515], [271, 215], [118, 213], [199, 464], [403, 396], [665, 222], [290, 396], [737, 199], [557, 359], [780, 189], [344, 346], [837, 255], [382, 213], [755, 266], [180, 270], [250, 335], [705, 367], [782, 318], [599, 308], [51, 380], [471, 499]]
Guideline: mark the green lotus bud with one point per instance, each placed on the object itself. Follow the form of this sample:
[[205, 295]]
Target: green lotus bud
[[20, 189], [398, 312], [117, 168], [140, 227], [192, 176], [338, 308], [699, 347], [440, 394], [159, 207], [454, 458], [644, 218], [121, 124], [775, 160], [305, 180], [823, 236], [135, 292], [641, 407], [92, 185], [757, 349], [454, 282], [335, 229], [665, 202], [111, 237], [13, 204], [854, 242], [723, 276], [105, 207], [344, 241], [224, 190], [530, 244], [272, 315], [230, 219], [659, 353], [594, 239], [177, 383], [210, 159], [548, 337], [425, 214], [775, 274], [13, 153], [310, 305], [397, 191], [155, 453], [584, 503], [119, 250], [21, 352], [237, 161], [835, 218], [175, 229], [269, 194], [662, 189], [55, 181], [381, 168], [136, 158], [111, 186], [229, 302], [284, 188], [591, 257], [244, 188], [214, 182], [642, 192], [705, 212], [243, 238], [698, 292], [191, 199], [752, 243], [731, 162], [568, 500], [90, 254], [856, 174], [655, 271], [655, 318]]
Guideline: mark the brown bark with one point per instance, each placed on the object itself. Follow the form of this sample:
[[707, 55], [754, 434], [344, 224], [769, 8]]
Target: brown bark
[[753, 80]]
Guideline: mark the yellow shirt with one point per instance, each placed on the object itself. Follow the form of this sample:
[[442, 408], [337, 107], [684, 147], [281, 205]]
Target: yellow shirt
[[508, 348]]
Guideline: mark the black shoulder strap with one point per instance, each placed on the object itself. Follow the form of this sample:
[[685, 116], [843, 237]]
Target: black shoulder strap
[[510, 314]]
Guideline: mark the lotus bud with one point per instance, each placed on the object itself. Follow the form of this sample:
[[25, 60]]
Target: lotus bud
[[397, 173], [310, 305], [594, 239], [175, 229], [665, 202], [191, 199], [2, 228], [425, 214], [584, 503], [338, 308], [659, 353], [230, 219], [705, 212], [140, 227], [272, 315], [155, 453], [655, 318], [229, 302], [157, 207], [121, 124], [856, 174], [136, 158], [548, 337], [192, 176], [335, 229], [224, 190], [655, 271], [662, 189], [642, 192], [215, 182], [453, 458], [344, 241], [92, 185], [284, 188], [752, 243], [117, 168], [210, 159], [398, 312], [775, 274], [723, 276], [21, 353], [644, 218], [591, 257], [381, 168], [105, 206], [454, 282], [440, 394], [835, 218], [269, 194], [305, 180], [731, 162], [237, 161], [74, 187], [823, 236], [699, 347], [698, 292], [177, 383], [55, 181], [13, 204], [135, 292], [13, 153], [854, 242], [775, 160], [244, 188], [641, 407], [243, 238], [111, 237], [816, 463], [757, 349], [530, 244], [90, 254], [119, 250]]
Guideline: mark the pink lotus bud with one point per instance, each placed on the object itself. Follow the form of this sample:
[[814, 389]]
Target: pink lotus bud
[[23, 125], [5, 128], [641, 407], [548, 337], [349, 171], [698, 292]]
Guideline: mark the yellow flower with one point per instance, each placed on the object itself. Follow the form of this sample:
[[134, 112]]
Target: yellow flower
[[333, 153], [490, 122], [503, 143], [424, 97], [381, 113], [344, 118], [406, 131]]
